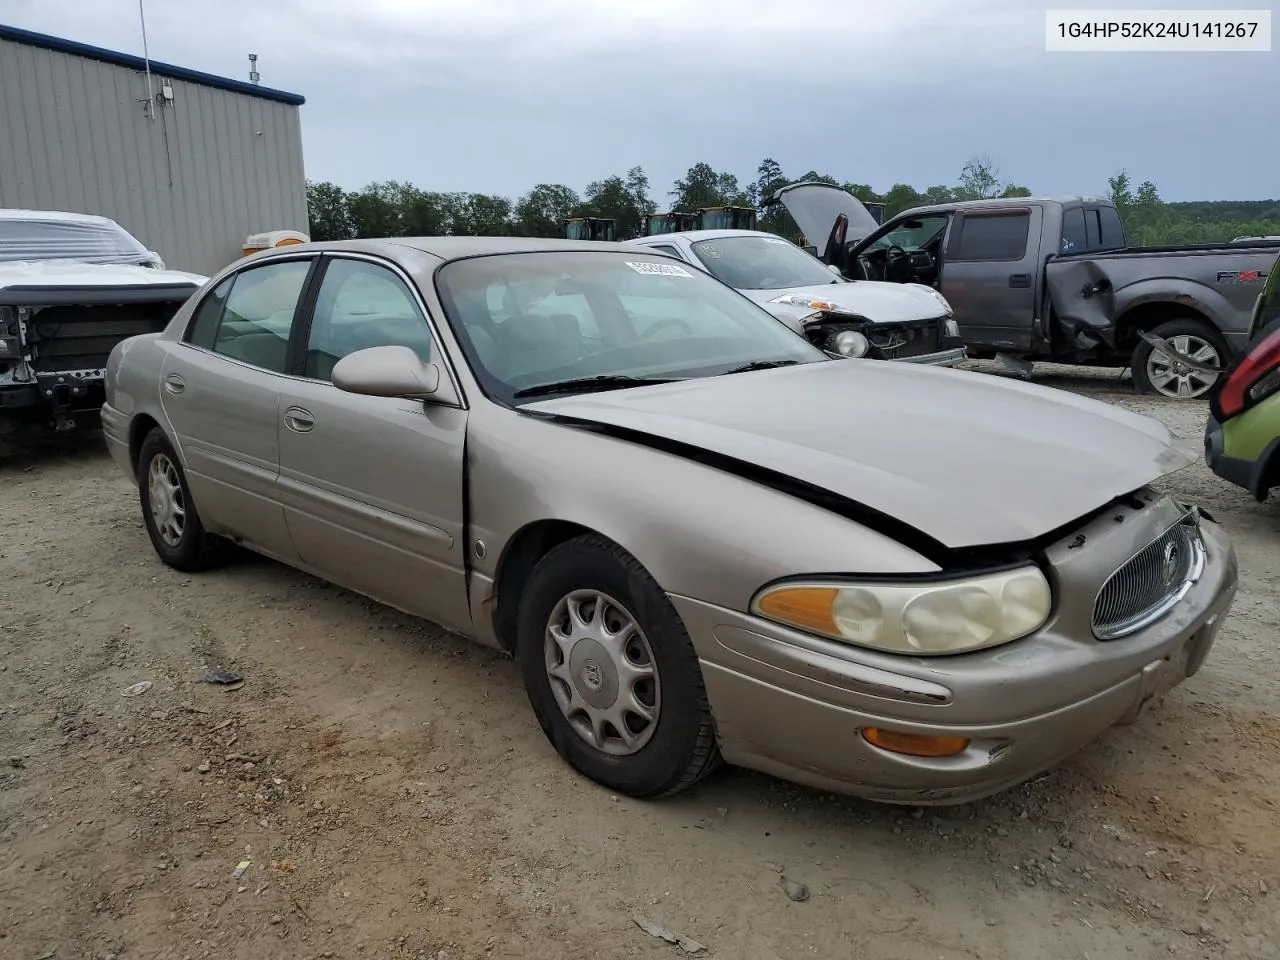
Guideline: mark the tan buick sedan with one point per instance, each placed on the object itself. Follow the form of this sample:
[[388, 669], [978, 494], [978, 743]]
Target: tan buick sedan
[[701, 536]]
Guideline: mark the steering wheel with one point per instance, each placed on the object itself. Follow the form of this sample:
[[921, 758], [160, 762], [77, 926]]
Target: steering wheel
[[668, 322], [896, 259]]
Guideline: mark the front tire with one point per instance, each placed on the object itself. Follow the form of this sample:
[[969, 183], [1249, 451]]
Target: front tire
[[169, 512], [1154, 373], [611, 673]]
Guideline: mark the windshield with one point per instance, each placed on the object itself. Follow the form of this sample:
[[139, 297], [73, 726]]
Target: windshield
[[761, 263], [526, 320], [87, 241]]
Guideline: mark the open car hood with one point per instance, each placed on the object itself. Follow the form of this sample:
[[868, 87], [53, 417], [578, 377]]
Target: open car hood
[[967, 460], [814, 206]]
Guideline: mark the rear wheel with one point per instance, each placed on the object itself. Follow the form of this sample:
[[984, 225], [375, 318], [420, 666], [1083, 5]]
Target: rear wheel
[[611, 673], [170, 515], [1175, 377]]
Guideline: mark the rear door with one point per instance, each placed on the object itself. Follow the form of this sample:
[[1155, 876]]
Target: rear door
[[991, 275], [220, 389]]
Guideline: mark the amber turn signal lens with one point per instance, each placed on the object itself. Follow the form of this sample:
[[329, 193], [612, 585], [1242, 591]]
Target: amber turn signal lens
[[808, 608], [915, 744]]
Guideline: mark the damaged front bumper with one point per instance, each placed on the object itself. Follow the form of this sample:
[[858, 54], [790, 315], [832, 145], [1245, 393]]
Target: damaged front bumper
[[54, 344], [924, 342]]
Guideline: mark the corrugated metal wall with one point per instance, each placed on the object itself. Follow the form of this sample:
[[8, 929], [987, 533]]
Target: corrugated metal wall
[[211, 168]]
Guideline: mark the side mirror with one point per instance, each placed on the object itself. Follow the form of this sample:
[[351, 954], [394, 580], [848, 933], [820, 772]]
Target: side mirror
[[392, 371]]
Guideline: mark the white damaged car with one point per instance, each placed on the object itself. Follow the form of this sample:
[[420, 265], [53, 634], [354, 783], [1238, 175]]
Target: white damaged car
[[854, 318]]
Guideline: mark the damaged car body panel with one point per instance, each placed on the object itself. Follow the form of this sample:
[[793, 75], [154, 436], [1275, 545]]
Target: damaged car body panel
[[1090, 297], [71, 288], [942, 482]]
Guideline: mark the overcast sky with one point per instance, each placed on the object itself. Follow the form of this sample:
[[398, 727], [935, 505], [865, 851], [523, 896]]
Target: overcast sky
[[497, 95]]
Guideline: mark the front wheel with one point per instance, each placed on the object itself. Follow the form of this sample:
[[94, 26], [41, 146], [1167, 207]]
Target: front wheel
[[611, 673], [174, 526], [1181, 376]]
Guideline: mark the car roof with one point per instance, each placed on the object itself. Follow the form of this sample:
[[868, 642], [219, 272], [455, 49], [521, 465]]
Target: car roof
[[996, 202], [61, 215], [457, 248]]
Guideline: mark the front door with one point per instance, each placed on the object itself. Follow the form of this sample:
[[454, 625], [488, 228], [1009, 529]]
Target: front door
[[991, 275], [220, 391], [373, 486]]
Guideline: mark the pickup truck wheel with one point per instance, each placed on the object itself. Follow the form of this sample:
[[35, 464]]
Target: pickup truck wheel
[[174, 526], [1155, 373], [611, 673]]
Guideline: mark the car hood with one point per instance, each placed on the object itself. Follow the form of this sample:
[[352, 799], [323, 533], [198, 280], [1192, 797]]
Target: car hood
[[968, 459], [815, 206], [878, 302], [75, 273]]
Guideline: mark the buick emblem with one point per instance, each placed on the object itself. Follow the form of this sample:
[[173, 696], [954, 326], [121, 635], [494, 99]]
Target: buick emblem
[[1170, 566], [592, 675]]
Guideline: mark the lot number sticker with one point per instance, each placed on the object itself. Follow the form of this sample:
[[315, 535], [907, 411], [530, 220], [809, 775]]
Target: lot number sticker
[[659, 269]]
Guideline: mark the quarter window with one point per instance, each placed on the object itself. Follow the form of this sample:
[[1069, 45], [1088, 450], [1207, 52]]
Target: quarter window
[[361, 305], [249, 315], [989, 237]]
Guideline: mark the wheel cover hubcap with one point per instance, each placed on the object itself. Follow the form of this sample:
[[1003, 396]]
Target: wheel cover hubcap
[[602, 672], [1172, 377], [168, 507]]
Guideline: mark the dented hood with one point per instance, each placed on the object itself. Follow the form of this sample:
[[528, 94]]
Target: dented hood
[[814, 206], [968, 459], [877, 301]]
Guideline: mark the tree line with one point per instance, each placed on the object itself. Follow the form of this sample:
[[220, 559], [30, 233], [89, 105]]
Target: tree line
[[396, 209]]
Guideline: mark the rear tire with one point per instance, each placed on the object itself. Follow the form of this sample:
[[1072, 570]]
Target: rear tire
[[632, 716], [169, 512], [1153, 374]]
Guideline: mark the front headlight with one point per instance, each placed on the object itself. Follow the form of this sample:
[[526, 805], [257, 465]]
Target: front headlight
[[924, 619], [942, 301], [809, 303]]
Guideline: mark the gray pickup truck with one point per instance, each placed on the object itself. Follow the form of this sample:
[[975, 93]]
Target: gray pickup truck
[[1053, 279]]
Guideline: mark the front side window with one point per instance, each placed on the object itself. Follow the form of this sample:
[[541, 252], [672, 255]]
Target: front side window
[[360, 305], [912, 235], [633, 315], [249, 315], [993, 237], [761, 263]]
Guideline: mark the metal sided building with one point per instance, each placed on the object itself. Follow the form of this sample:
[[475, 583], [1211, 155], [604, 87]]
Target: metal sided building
[[189, 163]]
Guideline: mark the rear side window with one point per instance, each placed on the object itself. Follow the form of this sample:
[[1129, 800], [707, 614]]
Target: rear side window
[[1112, 233], [248, 317], [1073, 238], [988, 237]]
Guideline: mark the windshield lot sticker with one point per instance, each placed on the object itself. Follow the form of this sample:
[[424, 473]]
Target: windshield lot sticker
[[659, 269], [710, 251]]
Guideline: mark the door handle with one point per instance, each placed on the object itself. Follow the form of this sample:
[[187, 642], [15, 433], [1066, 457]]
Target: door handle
[[174, 384], [298, 420], [1019, 279]]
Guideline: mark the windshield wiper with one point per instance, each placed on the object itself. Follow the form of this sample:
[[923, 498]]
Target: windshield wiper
[[762, 365], [590, 384]]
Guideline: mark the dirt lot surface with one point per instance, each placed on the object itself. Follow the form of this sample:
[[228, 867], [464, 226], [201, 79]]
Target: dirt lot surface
[[393, 797]]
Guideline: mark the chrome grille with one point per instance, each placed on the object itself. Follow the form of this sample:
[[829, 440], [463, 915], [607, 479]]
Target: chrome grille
[[1150, 582]]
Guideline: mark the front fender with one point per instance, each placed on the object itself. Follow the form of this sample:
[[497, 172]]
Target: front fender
[[700, 531]]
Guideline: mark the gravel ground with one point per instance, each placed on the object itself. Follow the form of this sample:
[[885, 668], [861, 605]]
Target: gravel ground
[[392, 796]]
